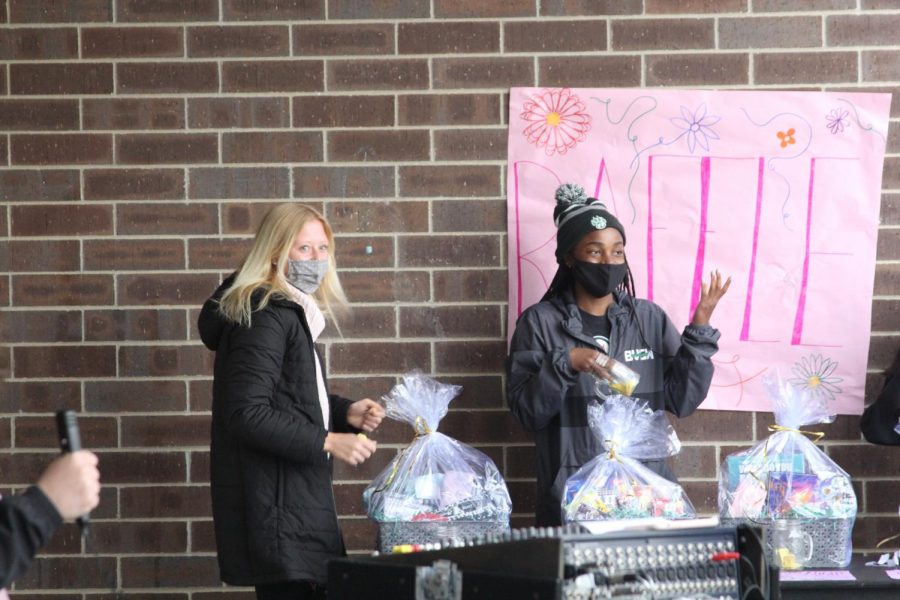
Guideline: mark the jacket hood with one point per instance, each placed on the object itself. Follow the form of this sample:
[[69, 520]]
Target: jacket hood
[[210, 323]]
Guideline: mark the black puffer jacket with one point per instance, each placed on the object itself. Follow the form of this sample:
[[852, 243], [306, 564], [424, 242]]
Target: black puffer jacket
[[273, 505], [550, 399]]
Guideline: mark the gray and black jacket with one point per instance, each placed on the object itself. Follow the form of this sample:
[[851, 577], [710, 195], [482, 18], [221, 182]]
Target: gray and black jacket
[[550, 399]]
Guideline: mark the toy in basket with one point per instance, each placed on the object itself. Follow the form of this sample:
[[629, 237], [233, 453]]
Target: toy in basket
[[614, 485], [436, 488], [803, 500]]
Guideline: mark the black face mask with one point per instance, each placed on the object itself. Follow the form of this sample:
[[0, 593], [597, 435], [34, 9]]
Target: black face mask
[[597, 279]]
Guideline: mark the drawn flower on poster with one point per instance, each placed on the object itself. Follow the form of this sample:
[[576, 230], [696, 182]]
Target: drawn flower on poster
[[557, 119], [696, 126], [838, 119], [814, 373], [787, 137]]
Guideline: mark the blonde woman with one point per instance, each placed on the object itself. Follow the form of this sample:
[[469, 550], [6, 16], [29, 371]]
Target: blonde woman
[[275, 428]]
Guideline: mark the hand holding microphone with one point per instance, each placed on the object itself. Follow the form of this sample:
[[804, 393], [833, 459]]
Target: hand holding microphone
[[72, 481]]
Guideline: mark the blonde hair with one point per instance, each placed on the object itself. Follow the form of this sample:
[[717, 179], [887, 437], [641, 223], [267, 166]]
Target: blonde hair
[[264, 266]]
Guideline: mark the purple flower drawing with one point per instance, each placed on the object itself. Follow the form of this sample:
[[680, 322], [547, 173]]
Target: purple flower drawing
[[697, 126], [838, 120]]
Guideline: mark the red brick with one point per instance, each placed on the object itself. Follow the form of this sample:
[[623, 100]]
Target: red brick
[[238, 40], [122, 537], [881, 65], [131, 42], [41, 255], [395, 74], [663, 34], [166, 148], [364, 252], [43, 185], [65, 361], [142, 467], [451, 180], [273, 76], [363, 322], [802, 5], [272, 147], [164, 430], [133, 184], [200, 400], [173, 289], [890, 179], [890, 208], [74, 148], [133, 255], [343, 182], [378, 357], [178, 572], [45, 43], [273, 10], [480, 9], [470, 144], [571, 8], [449, 251], [134, 396], [449, 109], [167, 10], [172, 78], [96, 432], [881, 496], [893, 141], [482, 285], [694, 6], [582, 35], [469, 215], [25, 115], [858, 460], [199, 467], [862, 30], [39, 396], [697, 69], [589, 71], [386, 286], [166, 219], [715, 425], [884, 313], [223, 113], [46, 219], [483, 72], [844, 427], [473, 357], [887, 276], [146, 113], [770, 32], [145, 325], [450, 321], [166, 502], [239, 182], [62, 290], [217, 254], [343, 111], [203, 539], [492, 426], [28, 11], [57, 78], [67, 573], [378, 217], [365, 39], [869, 531], [165, 361], [40, 326], [448, 37], [245, 217], [805, 67], [379, 9], [378, 145]]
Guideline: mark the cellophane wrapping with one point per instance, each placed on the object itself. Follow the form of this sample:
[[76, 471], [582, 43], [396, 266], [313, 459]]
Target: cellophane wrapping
[[614, 485], [786, 477], [436, 478]]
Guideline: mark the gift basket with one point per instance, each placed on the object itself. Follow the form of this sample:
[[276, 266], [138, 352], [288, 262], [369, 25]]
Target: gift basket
[[803, 501], [436, 488], [614, 485]]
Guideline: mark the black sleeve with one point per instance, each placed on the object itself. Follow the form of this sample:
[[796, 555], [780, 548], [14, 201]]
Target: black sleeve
[[339, 408], [880, 417], [689, 368], [27, 521]]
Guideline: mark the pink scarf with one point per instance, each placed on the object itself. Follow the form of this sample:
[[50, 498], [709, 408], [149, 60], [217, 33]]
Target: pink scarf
[[316, 322]]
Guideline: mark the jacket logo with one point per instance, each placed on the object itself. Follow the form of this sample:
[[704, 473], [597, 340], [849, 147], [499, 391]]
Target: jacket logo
[[638, 354]]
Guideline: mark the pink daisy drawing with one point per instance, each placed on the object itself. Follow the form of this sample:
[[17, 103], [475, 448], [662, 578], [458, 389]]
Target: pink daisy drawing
[[557, 121]]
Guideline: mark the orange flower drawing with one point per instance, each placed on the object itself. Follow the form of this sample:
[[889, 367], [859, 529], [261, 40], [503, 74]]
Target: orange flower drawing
[[787, 137], [557, 121]]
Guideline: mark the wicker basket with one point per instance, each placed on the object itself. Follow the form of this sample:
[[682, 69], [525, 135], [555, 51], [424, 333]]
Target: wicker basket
[[428, 532]]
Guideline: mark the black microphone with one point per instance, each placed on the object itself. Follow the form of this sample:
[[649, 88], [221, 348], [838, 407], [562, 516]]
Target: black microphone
[[70, 441]]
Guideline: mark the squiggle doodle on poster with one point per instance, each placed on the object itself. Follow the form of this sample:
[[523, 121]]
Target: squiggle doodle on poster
[[781, 190]]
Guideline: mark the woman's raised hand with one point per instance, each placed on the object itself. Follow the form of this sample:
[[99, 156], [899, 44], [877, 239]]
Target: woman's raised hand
[[365, 414], [710, 295]]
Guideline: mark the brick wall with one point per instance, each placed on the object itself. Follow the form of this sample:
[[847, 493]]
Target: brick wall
[[142, 140]]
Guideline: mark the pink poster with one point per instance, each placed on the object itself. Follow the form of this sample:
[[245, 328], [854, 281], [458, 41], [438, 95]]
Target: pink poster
[[780, 190]]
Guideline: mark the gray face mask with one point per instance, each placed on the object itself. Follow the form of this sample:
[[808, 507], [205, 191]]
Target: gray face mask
[[306, 275]]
